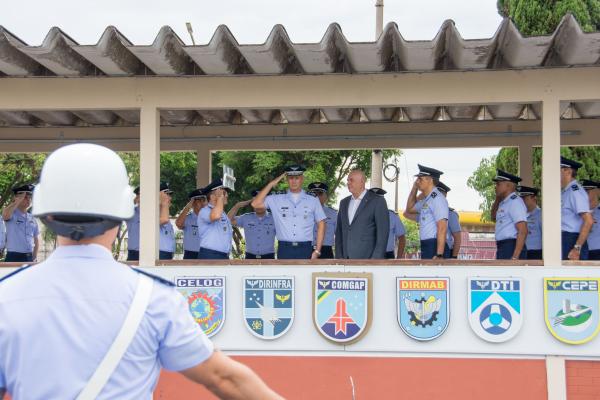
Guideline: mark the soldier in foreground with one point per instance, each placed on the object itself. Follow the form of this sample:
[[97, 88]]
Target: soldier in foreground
[[76, 357]]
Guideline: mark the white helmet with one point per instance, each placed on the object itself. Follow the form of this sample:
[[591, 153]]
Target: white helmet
[[85, 190]]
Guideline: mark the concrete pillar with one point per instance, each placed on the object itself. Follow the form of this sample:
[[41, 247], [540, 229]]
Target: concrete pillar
[[556, 378], [204, 167], [378, 18], [551, 181], [526, 163], [377, 168], [149, 183]]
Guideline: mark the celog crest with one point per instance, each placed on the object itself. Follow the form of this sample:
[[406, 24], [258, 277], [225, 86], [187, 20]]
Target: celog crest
[[342, 305], [571, 307], [269, 305], [423, 306], [206, 299], [495, 308]]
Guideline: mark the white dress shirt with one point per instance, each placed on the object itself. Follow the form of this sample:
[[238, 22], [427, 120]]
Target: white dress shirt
[[353, 206]]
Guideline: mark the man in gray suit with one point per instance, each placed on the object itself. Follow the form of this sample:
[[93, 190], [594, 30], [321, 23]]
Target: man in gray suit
[[363, 224]]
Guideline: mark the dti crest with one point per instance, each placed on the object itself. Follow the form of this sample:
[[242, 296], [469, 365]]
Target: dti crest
[[423, 306], [206, 299], [269, 305], [495, 308], [571, 307], [342, 305]]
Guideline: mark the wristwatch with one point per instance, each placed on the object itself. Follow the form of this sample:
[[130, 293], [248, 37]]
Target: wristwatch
[[577, 248], [439, 255], [316, 251]]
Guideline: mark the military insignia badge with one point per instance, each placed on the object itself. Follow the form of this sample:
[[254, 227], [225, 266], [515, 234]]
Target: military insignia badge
[[206, 299], [268, 305], [495, 308], [423, 306], [571, 307], [342, 305]]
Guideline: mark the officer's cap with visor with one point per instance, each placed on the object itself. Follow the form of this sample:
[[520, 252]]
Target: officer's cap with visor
[[427, 171], [103, 198], [318, 187], [566, 163], [524, 191], [503, 176], [214, 185], [378, 191], [164, 187], [26, 189], [294, 170], [589, 184], [197, 194], [442, 187]]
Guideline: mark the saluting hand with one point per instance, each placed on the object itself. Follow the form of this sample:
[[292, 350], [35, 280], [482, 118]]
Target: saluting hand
[[278, 179], [19, 198]]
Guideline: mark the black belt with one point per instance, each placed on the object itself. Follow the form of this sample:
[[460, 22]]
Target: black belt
[[295, 244]]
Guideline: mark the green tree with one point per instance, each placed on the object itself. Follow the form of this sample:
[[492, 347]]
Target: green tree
[[18, 168], [541, 17], [508, 160]]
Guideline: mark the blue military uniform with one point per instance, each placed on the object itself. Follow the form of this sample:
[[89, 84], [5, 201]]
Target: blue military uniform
[[397, 230], [574, 202], [316, 188], [453, 227], [166, 241], [133, 235], [21, 229], [534, 225], [594, 236], [215, 241], [191, 236], [68, 310], [511, 211], [259, 233], [2, 236]]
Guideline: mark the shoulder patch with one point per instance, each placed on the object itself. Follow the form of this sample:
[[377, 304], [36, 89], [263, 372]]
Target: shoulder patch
[[23, 268], [451, 209], [155, 277], [574, 187], [433, 195], [514, 196]]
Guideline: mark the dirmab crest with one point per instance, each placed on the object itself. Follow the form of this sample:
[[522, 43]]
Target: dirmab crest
[[571, 307], [206, 299], [495, 308], [342, 305], [423, 311], [269, 306]]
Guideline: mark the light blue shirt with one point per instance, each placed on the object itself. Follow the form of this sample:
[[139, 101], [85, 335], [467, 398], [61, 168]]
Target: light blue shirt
[[2, 234], [431, 209], [21, 228], [453, 227], [534, 230], [191, 235], [295, 218], [396, 230], [511, 211], [593, 239], [259, 233], [574, 201], [166, 241], [216, 235], [133, 230], [330, 223], [59, 318]]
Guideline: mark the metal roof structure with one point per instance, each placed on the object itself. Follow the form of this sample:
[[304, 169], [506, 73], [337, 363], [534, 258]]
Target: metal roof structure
[[114, 55]]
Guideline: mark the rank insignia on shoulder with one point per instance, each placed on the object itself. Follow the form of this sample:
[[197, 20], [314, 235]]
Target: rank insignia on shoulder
[[434, 195], [155, 277], [574, 187], [514, 196]]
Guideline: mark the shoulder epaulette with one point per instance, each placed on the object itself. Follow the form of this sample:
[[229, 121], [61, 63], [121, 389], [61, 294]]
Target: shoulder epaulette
[[514, 196], [451, 209], [433, 195], [155, 277], [574, 187], [392, 211], [23, 268]]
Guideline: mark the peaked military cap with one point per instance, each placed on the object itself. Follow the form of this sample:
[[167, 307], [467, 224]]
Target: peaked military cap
[[378, 191], [294, 170], [503, 176], [527, 191], [136, 190], [318, 187], [214, 185], [427, 171], [589, 184], [23, 189], [566, 163], [196, 194], [254, 193], [164, 187], [443, 188]]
